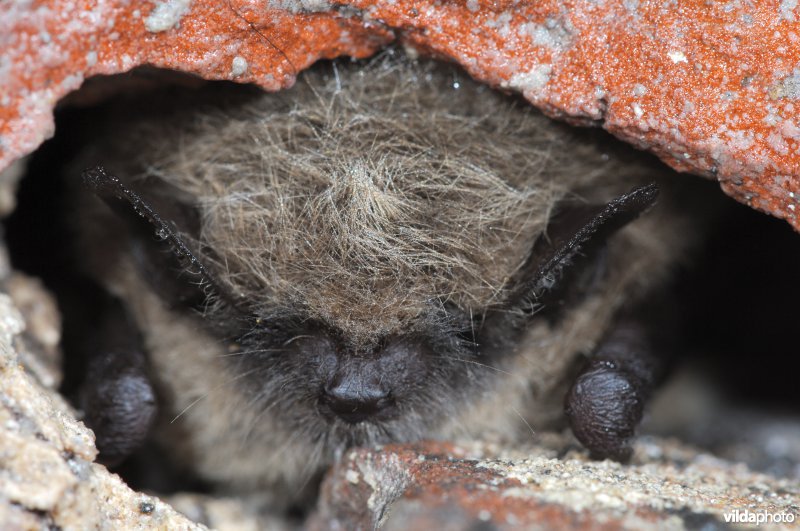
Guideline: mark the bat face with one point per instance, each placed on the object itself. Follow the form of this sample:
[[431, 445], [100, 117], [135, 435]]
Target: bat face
[[368, 258]]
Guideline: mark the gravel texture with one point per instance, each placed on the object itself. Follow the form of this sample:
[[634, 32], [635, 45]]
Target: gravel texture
[[550, 485]]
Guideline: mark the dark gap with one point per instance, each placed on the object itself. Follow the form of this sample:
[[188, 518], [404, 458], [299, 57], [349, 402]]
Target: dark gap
[[740, 303]]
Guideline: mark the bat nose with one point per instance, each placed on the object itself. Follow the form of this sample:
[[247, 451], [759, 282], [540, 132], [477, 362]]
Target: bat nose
[[355, 401]]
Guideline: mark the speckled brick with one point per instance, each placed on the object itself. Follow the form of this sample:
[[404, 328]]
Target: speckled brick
[[711, 87], [546, 486]]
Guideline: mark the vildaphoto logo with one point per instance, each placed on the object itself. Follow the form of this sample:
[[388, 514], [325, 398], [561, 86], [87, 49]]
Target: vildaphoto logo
[[758, 517]]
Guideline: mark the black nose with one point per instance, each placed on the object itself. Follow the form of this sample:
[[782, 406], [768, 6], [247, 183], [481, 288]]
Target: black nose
[[355, 401]]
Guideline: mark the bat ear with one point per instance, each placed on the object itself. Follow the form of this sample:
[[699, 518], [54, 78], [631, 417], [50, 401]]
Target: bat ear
[[560, 266], [157, 243]]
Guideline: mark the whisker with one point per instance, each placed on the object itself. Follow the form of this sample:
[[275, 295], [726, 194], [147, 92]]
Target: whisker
[[523, 420], [258, 417], [280, 397], [290, 441], [295, 338], [462, 360], [313, 460], [206, 395], [244, 352], [472, 327]]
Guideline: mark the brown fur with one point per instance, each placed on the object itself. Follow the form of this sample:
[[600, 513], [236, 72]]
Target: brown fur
[[362, 200]]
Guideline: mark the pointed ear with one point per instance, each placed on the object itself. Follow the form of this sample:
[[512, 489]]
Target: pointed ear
[[157, 243], [562, 264]]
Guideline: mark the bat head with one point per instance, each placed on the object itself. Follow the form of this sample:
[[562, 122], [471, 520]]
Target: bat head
[[347, 366]]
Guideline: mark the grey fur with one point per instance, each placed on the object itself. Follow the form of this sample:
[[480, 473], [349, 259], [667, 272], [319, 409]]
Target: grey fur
[[369, 201]]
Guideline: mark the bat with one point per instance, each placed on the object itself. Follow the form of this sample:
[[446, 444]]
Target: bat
[[386, 252]]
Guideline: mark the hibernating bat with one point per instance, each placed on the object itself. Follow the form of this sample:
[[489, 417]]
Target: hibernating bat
[[385, 252]]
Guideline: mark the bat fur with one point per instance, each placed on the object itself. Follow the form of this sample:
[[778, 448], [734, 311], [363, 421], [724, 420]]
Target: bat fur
[[371, 198]]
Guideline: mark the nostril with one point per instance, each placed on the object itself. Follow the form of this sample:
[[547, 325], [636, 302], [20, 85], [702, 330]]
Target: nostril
[[355, 403]]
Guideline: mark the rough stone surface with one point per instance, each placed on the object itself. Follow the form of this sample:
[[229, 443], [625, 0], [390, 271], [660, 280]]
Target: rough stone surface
[[38, 346], [47, 476], [229, 514], [546, 486], [8, 185], [711, 87]]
